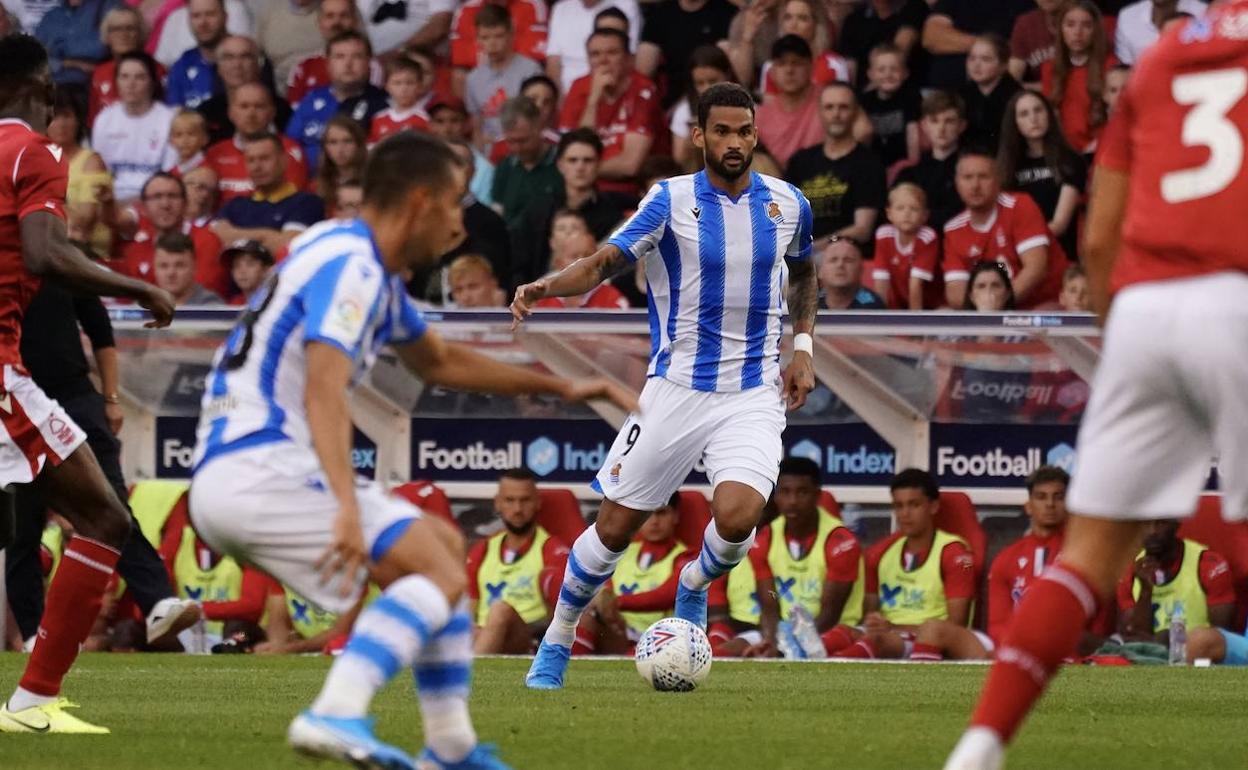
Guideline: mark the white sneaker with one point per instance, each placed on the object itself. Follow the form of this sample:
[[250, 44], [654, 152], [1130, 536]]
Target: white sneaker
[[169, 617], [979, 749]]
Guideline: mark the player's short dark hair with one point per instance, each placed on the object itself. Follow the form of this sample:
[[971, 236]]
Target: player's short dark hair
[[493, 16], [518, 108], [163, 175], [942, 101], [519, 474], [1047, 474], [914, 478], [1000, 46], [149, 64], [22, 57], [612, 33], [723, 95], [405, 161], [978, 150], [346, 36], [539, 80], [270, 137], [176, 242], [579, 136], [795, 44], [801, 466]]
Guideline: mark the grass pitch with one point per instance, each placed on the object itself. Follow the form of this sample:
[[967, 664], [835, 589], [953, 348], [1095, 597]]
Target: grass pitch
[[169, 712]]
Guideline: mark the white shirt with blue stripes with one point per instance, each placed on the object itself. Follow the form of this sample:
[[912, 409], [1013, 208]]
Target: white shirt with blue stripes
[[715, 274], [333, 289]]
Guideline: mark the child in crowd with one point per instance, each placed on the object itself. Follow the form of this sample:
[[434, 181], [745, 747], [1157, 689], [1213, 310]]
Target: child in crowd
[[473, 283], [571, 239], [1115, 80], [1074, 296], [943, 121], [249, 263], [188, 136], [907, 252], [988, 89], [1075, 79], [892, 104], [406, 86]]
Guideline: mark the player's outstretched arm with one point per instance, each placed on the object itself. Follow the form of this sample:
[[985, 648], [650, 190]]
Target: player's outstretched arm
[[575, 279], [799, 375], [451, 365], [46, 251]]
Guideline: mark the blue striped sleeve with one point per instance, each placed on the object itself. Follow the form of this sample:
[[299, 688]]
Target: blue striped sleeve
[[340, 301], [409, 324], [803, 240], [642, 231]]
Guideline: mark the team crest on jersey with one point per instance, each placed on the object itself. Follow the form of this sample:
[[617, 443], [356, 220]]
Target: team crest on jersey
[[614, 476], [773, 213]]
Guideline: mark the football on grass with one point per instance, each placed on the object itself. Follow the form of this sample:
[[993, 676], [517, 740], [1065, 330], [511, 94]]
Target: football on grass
[[673, 655]]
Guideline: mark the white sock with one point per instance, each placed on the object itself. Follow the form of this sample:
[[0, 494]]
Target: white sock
[[717, 558], [443, 674], [25, 699], [387, 637], [590, 564]]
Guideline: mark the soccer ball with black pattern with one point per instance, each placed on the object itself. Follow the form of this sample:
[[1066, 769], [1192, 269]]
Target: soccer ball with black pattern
[[673, 655]]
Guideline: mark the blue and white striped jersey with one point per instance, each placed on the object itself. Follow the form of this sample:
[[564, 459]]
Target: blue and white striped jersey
[[715, 273], [332, 289]]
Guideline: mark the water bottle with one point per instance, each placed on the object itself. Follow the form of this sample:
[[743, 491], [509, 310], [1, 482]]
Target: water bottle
[[1178, 636]]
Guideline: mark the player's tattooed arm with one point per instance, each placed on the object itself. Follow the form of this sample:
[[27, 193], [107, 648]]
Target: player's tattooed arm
[[577, 278], [799, 375]]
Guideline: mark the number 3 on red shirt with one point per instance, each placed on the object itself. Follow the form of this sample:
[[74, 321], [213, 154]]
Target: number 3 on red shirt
[[1212, 95]]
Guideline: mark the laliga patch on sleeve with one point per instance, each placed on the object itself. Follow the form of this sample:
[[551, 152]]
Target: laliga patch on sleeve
[[345, 321]]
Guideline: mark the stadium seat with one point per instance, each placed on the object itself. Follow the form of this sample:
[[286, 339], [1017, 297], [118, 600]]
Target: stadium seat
[[957, 516], [827, 501], [695, 514], [560, 514], [428, 497], [1231, 540]]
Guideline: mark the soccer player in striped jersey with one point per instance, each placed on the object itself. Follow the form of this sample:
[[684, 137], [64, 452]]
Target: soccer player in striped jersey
[[272, 482], [717, 247]]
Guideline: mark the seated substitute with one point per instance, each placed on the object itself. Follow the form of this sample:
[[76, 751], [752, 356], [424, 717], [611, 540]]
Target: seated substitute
[[513, 577], [918, 574], [642, 591]]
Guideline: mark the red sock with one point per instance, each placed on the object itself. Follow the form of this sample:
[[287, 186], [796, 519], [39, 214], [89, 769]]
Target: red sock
[[583, 644], [836, 639], [926, 652], [859, 649], [73, 604], [1045, 629]]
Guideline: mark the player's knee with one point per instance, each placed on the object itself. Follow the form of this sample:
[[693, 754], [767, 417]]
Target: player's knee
[[103, 519], [451, 537], [616, 525], [930, 632], [1206, 643]]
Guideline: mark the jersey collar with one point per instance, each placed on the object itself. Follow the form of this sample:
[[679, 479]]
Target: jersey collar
[[707, 191], [15, 122]]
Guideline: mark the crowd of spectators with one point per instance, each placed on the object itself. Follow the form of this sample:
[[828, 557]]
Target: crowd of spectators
[[929, 135]]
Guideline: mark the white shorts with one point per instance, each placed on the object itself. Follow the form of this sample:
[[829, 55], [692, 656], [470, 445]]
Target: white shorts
[[271, 507], [1170, 395], [34, 430], [737, 435]]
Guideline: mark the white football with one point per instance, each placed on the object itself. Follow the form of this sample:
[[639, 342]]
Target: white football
[[673, 655]]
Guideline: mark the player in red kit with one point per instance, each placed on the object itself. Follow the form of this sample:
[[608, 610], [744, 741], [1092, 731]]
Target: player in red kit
[[39, 443], [1165, 235]]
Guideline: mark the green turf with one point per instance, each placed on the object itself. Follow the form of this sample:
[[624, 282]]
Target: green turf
[[231, 712]]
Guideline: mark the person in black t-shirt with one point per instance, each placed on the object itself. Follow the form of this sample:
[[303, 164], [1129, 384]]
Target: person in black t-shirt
[[892, 104], [952, 27], [674, 28], [943, 121], [988, 89], [1035, 158], [884, 21], [840, 278], [842, 179]]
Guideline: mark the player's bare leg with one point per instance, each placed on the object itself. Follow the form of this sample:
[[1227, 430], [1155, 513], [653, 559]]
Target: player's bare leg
[[942, 639], [78, 490], [591, 562], [737, 508], [1046, 628], [504, 632], [1207, 643]]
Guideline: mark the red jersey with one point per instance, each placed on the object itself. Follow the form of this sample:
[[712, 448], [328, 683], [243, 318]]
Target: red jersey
[[1076, 106], [1178, 133], [34, 179], [391, 121], [897, 265], [636, 111], [1016, 226], [1016, 567], [226, 158], [957, 567], [1215, 580], [841, 553], [604, 296], [830, 67], [663, 598], [313, 72], [554, 559], [135, 256], [528, 20]]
